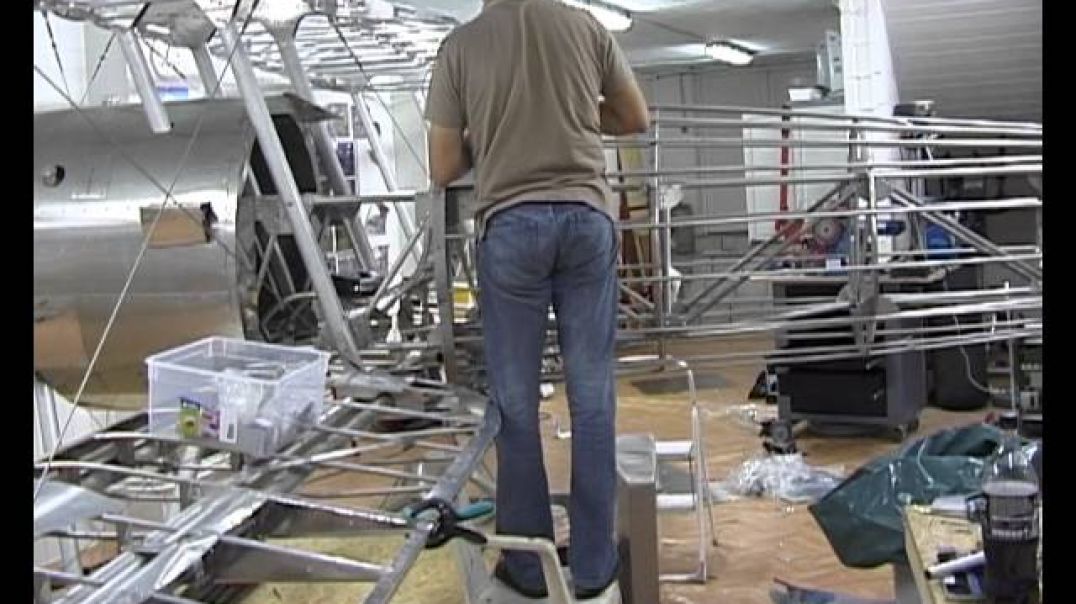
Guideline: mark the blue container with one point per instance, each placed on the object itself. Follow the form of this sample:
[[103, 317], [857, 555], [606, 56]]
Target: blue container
[[938, 238]]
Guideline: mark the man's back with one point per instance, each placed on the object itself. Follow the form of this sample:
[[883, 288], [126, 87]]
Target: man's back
[[525, 79]]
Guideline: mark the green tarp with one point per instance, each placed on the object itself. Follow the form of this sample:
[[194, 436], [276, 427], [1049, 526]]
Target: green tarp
[[861, 517]]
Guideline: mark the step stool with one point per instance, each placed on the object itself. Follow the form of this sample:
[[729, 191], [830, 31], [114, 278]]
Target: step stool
[[691, 452]]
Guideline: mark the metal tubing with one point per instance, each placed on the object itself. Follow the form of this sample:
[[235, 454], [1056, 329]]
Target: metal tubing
[[723, 123], [134, 569], [206, 72], [776, 180], [48, 422], [941, 163], [79, 579], [853, 352], [731, 142], [863, 117], [754, 273], [453, 479], [353, 237], [659, 251], [443, 286], [401, 196], [754, 253], [276, 160], [960, 171], [751, 358], [801, 323], [284, 35], [959, 251], [143, 82], [944, 206], [384, 166], [634, 295], [387, 437], [398, 264], [467, 419], [968, 236], [359, 493]]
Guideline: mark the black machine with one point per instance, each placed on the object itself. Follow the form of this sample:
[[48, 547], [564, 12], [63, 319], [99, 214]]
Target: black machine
[[879, 393]]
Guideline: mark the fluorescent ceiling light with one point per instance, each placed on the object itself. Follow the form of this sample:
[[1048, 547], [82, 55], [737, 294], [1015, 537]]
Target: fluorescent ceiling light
[[729, 52], [612, 17]]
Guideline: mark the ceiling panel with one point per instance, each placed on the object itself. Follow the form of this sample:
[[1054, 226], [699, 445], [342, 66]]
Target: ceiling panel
[[980, 58], [676, 30], [973, 57]]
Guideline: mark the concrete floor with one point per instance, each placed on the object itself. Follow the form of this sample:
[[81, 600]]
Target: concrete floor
[[759, 540]]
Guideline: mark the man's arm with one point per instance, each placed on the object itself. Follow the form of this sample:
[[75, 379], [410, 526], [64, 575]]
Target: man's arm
[[449, 153], [625, 112], [450, 157]]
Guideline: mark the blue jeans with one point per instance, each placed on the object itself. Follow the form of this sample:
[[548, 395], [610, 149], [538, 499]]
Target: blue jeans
[[533, 255]]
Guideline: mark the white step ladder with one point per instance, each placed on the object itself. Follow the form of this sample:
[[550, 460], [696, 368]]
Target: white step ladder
[[693, 453]]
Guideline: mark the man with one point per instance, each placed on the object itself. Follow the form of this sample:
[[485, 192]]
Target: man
[[518, 92]]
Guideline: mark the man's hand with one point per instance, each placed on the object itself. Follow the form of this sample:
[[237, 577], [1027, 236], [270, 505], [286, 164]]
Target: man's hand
[[624, 112], [450, 155]]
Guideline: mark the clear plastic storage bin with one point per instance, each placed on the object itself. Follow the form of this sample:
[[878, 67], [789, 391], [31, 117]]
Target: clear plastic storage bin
[[233, 394]]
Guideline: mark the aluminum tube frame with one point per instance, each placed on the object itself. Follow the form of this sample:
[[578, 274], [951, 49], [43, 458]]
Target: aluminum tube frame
[[832, 124], [863, 117], [284, 35], [795, 322], [944, 206], [441, 255], [215, 514], [407, 225], [48, 423], [156, 114], [360, 245], [206, 72], [966, 235], [398, 264], [303, 230], [758, 274], [833, 197], [825, 178], [853, 352], [955, 251], [448, 488], [79, 579], [732, 142], [976, 162], [661, 256]]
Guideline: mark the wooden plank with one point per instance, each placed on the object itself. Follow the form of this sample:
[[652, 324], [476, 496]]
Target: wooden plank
[[924, 535]]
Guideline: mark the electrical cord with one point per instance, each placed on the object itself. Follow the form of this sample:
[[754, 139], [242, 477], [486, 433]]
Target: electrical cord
[[964, 352], [956, 321]]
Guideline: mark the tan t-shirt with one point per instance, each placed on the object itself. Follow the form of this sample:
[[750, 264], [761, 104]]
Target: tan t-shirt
[[524, 78]]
